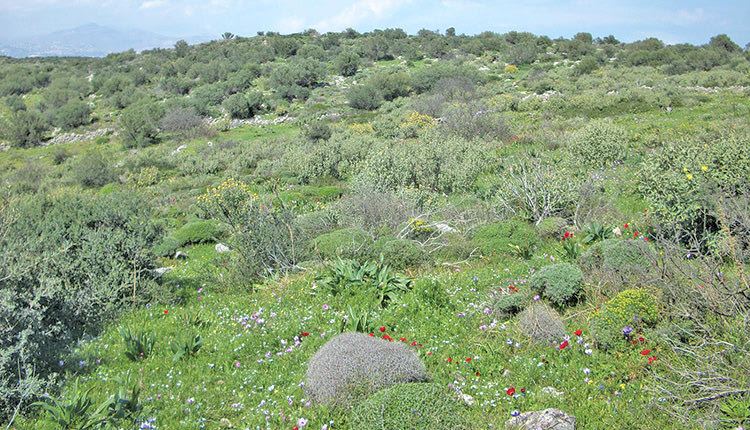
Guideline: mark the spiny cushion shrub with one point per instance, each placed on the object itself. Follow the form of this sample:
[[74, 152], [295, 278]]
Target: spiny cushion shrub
[[626, 259], [509, 303], [631, 309], [497, 238], [411, 406], [599, 144], [352, 243], [541, 323], [560, 283], [200, 231], [400, 253], [167, 247], [352, 366]]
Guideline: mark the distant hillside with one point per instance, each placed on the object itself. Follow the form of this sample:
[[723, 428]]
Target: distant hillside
[[89, 40]]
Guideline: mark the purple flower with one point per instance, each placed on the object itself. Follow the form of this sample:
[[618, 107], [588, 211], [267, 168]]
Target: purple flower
[[325, 307], [515, 413], [627, 330], [301, 422], [190, 401]]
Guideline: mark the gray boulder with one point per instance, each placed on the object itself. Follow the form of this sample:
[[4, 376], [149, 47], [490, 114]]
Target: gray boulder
[[548, 419]]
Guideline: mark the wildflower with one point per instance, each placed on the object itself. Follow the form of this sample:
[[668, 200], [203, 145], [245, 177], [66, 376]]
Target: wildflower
[[476, 278], [627, 225], [403, 339], [586, 371], [509, 341], [627, 330], [537, 298], [81, 364], [588, 351], [487, 311], [235, 405], [515, 413], [325, 307], [190, 401], [449, 360], [301, 422], [468, 359], [237, 364], [641, 339], [166, 311], [578, 332], [305, 334], [382, 329], [646, 352], [652, 359], [511, 391], [563, 345], [482, 327]]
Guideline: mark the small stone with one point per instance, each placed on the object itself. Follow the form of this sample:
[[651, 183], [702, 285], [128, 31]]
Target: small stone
[[179, 255], [548, 419], [552, 391], [221, 248], [161, 271]]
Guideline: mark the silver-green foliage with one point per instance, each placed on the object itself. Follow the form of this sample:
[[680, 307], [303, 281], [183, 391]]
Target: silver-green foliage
[[353, 366], [560, 283], [599, 144], [441, 164], [411, 407]]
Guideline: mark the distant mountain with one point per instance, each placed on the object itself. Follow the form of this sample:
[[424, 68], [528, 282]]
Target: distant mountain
[[89, 40]]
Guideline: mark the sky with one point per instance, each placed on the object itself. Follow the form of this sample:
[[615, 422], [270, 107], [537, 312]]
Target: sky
[[672, 21]]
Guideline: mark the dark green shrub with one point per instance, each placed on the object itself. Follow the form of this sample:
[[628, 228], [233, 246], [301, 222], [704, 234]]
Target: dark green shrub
[[560, 283], [318, 131], [509, 303], [635, 309], [498, 238], [414, 406], [25, 128], [541, 323], [365, 97], [242, 105], [77, 254], [167, 247], [552, 228], [294, 78], [93, 170], [352, 366], [353, 243], [183, 121], [201, 231], [425, 78], [140, 124], [400, 253], [73, 114], [347, 63], [599, 144]]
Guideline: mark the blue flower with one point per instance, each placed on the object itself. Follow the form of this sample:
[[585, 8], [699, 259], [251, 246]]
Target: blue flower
[[627, 330]]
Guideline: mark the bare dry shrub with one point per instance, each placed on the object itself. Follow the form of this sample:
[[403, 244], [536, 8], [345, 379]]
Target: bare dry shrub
[[541, 323]]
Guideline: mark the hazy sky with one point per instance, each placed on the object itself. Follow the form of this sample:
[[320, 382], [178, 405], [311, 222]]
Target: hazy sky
[[671, 21]]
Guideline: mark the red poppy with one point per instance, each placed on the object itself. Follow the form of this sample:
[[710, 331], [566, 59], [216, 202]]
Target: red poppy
[[511, 391], [635, 234], [449, 360], [641, 339], [388, 338], [468, 359], [523, 391], [305, 334], [512, 288], [403, 339], [478, 374], [627, 225], [646, 352], [429, 353], [564, 345], [382, 329], [371, 334], [652, 359], [166, 311], [578, 332], [568, 234]]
